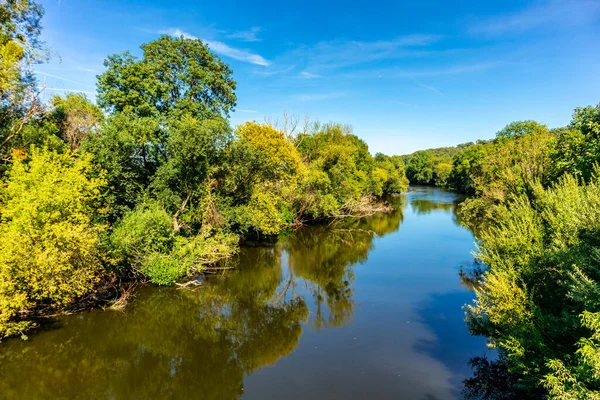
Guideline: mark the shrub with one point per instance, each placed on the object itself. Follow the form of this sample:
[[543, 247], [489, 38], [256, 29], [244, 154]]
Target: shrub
[[48, 239]]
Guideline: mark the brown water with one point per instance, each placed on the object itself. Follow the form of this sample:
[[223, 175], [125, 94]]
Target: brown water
[[364, 309]]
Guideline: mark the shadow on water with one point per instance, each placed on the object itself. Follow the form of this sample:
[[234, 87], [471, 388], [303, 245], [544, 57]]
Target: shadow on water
[[171, 343]]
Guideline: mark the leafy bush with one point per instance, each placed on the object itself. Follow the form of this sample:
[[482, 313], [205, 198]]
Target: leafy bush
[[48, 238], [543, 272], [146, 230]]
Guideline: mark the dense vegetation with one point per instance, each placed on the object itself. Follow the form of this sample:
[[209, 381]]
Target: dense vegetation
[[534, 204], [536, 208], [432, 166], [152, 183], [245, 321]]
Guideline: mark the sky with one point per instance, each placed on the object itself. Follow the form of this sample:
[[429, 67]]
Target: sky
[[406, 75]]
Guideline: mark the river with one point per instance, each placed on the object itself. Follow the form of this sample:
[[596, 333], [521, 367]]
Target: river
[[367, 308]]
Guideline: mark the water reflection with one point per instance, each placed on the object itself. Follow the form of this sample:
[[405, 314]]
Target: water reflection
[[392, 293], [169, 344]]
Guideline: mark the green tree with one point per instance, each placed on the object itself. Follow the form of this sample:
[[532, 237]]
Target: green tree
[[499, 170], [129, 150], [419, 168], [20, 29], [340, 170], [76, 117], [194, 152], [145, 242], [389, 175], [262, 172], [578, 146], [519, 128], [174, 76]]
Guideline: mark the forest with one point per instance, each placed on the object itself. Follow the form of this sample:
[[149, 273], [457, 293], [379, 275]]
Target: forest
[[151, 183]]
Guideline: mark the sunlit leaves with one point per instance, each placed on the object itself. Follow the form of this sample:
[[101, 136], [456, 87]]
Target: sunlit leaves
[[48, 239]]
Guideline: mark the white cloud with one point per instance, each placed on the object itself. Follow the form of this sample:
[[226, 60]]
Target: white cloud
[[177, 33], [553, 13], [222, 48], [308, 75], [86, 69], [237, 54], [273, 71], [247, 36], [343, 53]]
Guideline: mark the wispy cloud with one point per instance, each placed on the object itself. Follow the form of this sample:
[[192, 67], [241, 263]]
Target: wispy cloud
[[319, 96], [237, 54], [552, 13], [246, 111], [86, 69], [309, 75], [342, 53], [273, 71], [424, 72], [62, 78], [223, 48], [247, 36], [424, 86]]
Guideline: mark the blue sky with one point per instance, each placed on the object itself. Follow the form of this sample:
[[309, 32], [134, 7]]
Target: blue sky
[[405, 75]]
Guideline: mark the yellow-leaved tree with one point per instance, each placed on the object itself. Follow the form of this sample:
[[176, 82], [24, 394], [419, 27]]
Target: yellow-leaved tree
[[48, 237], [275, 168]]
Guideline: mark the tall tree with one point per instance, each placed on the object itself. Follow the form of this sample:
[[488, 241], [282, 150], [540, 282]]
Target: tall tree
[[174, 76]]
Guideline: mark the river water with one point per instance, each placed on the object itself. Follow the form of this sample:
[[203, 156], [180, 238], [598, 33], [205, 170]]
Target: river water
[[368, 308]]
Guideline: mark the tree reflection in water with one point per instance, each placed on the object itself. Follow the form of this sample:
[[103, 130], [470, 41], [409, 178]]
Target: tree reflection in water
[[173, 343]]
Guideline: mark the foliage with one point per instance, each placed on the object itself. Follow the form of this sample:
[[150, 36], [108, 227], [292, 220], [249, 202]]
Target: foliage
[[389, 175], [579, 381], [76, 118], [19, 40], [340, 171], [174, 76], [20, 48], [578, 146], [420, 168], [432, 166], [145, 241], [501, 169], [180, 188], [275, 157], [192, 153], [48, 238], [519, 128], [146, 230], [542, 257]]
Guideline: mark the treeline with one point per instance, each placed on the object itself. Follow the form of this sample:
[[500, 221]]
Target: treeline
[[535, 207], [534, 204], [432, 166], [152, 183]]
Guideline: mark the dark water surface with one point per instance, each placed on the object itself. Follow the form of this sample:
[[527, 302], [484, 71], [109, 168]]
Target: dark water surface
[[366, 309]]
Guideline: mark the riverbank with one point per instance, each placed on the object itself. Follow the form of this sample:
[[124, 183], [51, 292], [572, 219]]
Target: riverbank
[[369, 299]]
